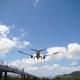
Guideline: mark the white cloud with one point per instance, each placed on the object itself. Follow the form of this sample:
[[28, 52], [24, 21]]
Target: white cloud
[[74, 63], [30, 65], [4, 30], [44, 71], [26, 62], [35, 3], [54, 70], [20, 44], [6, 43], [71, 52], [61, 55], [23, 32]]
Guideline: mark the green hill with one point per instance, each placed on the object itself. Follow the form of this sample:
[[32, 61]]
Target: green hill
[[72, 76]]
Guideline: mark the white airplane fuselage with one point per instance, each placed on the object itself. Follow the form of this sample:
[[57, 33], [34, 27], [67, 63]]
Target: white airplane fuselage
[[38, 54]]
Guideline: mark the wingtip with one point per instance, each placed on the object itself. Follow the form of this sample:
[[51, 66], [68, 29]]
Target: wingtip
[[18, 51]]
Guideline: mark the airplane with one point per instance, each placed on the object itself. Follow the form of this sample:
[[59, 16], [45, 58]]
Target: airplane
[[38, 54]]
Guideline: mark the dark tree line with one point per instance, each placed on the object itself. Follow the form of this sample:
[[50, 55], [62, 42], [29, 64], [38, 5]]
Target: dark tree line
[[57, 78]]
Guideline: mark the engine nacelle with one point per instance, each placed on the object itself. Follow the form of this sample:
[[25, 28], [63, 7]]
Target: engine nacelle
[[31, 56], [43, 57]]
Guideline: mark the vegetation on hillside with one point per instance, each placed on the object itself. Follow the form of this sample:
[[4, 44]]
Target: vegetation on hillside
[[57, 78], [73, 76]]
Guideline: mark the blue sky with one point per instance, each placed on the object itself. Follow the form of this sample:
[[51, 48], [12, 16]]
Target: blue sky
[[45, 24]]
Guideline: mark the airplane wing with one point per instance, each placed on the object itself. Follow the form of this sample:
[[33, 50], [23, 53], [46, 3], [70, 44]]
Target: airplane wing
[[38, 50], [24, 53], [51, 54], [42, 50], [55, 53], [33, 49]]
